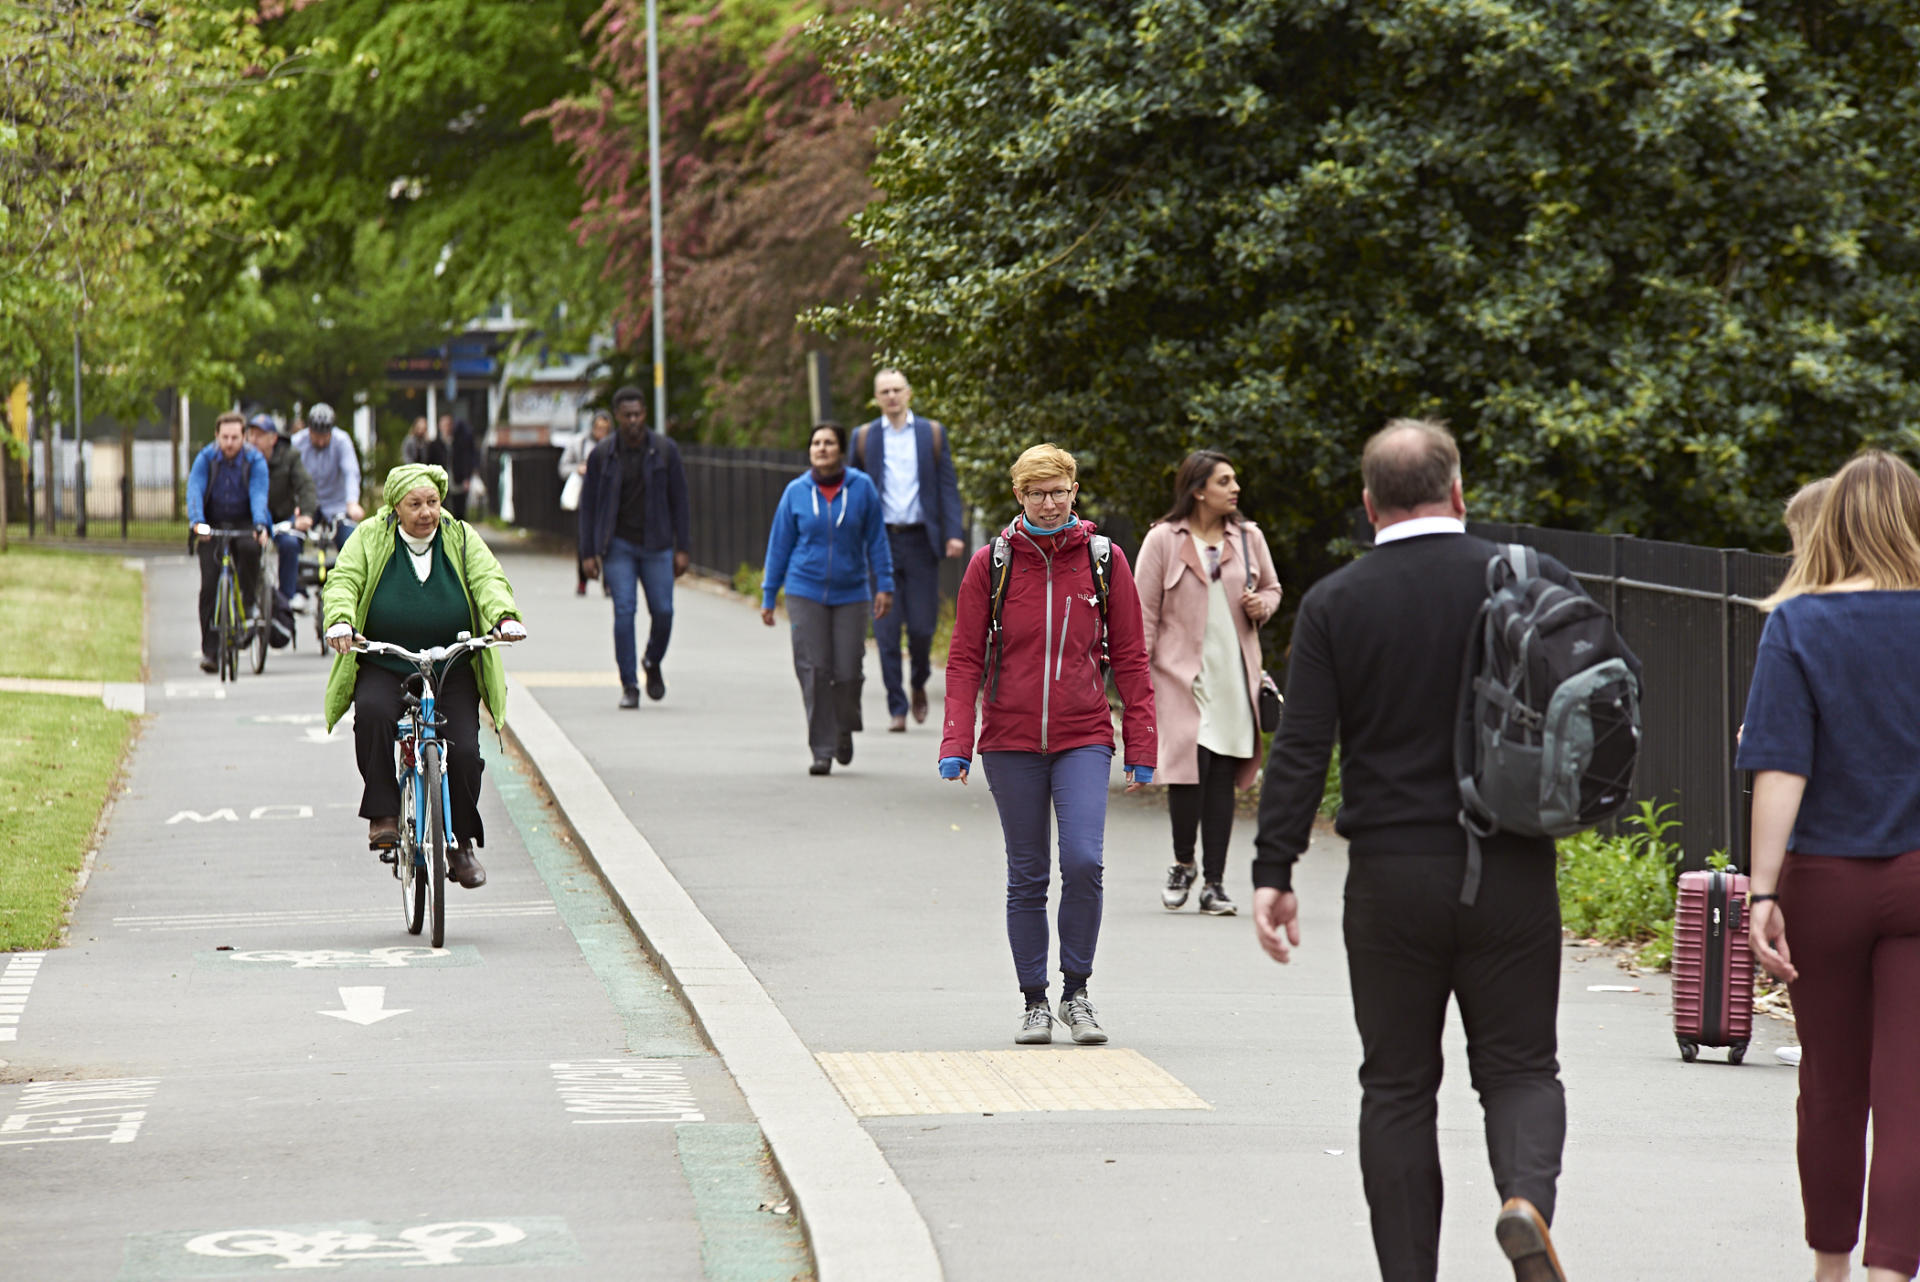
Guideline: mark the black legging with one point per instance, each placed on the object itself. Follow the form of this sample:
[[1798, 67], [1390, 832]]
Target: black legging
[[1207, 807], [376, 716]]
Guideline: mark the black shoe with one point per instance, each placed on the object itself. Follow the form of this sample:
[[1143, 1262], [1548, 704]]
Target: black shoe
[[464, 868], [656, 685], [209, 664], [821, 766], [919, 703], [843, 753], [630, 696], [1214, 901]]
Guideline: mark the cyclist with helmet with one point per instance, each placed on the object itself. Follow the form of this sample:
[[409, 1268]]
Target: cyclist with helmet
[[335, 469], [290, 494]]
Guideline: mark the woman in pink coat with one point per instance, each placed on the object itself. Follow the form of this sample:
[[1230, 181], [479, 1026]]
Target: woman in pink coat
[[1206, 585]]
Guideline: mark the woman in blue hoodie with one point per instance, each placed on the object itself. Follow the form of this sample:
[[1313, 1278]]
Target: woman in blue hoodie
[[828, 549]]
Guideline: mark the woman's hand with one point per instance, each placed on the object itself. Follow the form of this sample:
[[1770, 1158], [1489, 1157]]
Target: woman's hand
[[340, 638], [766, 616], [1138, 777], [1767, 934], [882, 602], [952, 768], [1255, 608], [510, 630]]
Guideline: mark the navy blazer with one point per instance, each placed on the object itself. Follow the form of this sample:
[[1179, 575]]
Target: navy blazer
[[668, 525], [939, 486]]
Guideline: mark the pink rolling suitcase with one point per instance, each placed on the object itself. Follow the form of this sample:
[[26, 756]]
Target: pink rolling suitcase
[[1712, 965]]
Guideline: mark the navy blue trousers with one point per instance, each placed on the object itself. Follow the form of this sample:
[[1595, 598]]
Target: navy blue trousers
[[1030, 790], [916, 603]]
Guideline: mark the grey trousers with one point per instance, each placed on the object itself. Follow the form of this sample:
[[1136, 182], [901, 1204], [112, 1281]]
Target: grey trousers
[[829, 646]]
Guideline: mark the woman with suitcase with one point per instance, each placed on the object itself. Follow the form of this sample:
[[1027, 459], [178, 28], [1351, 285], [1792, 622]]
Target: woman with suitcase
[[1833, 734]]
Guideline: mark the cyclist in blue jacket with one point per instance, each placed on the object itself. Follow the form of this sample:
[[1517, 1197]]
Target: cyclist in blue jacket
[[227, 489]]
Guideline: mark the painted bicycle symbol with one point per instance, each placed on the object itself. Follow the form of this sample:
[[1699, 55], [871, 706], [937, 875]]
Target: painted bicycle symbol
[[341, 958], [333, 1249]]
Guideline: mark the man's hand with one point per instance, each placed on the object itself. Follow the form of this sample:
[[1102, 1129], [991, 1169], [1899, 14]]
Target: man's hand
[[1276, 920], [590, 565], [356, 513], [302, 522], [956, 547], [261, 536], [882, 602], [766, 616], [680, 562]]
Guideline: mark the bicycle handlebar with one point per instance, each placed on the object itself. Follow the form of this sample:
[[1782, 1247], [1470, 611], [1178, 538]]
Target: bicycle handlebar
[[318, 532], [220, 532], [425, 658]]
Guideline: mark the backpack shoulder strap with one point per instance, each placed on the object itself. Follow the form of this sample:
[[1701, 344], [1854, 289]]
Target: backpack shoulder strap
[[860, 445], [939, 438], [1100, 555], [1002, 570]]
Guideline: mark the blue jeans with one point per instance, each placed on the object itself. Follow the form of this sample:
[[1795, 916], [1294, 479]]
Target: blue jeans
[[342, 529], [1031, 789], [916, 602], [628, 565], [289, 548]]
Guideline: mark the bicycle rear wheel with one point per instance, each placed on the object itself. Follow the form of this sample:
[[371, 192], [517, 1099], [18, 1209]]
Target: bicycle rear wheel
[[406, 857], [434, 873], [262, 623], [224, 626]]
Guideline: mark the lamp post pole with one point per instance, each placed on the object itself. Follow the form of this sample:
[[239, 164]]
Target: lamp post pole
[[653, 184]]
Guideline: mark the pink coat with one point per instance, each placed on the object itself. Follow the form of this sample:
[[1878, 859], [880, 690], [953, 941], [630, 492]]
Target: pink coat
[[1173, 603]]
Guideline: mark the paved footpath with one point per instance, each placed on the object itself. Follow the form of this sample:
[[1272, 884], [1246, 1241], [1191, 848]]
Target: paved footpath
[[1216, 1135], [242, 1064]]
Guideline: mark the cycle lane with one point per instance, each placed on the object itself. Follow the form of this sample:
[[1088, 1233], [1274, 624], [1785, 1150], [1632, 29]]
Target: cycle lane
[[242, 1062], [869, 905]]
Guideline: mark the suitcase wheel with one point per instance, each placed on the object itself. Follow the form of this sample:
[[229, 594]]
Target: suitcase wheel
[[1689, 1051], [1736, 1052]]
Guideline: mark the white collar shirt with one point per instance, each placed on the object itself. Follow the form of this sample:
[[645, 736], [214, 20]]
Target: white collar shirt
[[900, 501], [1418, 526]]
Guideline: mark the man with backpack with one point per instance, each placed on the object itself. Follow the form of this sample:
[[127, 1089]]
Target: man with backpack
[[227, 489], [1435, 908]]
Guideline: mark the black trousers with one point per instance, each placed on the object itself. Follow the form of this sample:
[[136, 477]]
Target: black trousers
[[246, 562], [1205, 808], [1411, 945], [376, 717]]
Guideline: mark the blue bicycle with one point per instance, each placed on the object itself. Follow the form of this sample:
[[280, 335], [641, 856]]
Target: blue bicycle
[[426, 803]]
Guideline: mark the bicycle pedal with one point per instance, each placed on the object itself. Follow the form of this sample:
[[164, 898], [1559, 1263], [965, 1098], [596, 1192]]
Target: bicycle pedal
[[387, 857]]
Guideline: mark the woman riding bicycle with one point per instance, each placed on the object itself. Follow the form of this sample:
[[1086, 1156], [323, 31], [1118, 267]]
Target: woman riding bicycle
[[414, 576]]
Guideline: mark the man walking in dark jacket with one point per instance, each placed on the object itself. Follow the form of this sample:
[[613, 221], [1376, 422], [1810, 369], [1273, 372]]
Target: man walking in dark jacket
[[290, 495], [634, 527], [1376, 660]]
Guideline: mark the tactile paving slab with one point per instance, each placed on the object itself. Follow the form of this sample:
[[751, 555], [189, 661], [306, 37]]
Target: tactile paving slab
[[908, 1083]]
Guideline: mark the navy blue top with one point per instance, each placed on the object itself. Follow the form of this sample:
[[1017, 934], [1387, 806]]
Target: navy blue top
[[1834, 700]]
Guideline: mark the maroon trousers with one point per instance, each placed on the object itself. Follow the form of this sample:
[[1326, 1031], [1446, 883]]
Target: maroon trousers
[[1853, 928]]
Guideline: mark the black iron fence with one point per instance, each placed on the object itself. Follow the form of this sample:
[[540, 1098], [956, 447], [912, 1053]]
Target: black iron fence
[[92, 489], [1692, 615]]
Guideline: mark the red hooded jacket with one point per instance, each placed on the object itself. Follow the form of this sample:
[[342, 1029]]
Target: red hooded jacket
[[1050, 696]]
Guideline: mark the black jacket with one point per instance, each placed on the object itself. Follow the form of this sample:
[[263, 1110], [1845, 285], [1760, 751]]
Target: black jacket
[[288, 485], [668, 523]]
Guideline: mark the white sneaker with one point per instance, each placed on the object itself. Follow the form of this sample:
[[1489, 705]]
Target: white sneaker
[[1787, 1055], [1076, 1012]]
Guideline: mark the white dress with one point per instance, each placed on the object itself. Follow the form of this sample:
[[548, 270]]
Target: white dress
[[1226, 711]]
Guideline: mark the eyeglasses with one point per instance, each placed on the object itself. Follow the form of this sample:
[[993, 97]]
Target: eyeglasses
[[1047, 496]]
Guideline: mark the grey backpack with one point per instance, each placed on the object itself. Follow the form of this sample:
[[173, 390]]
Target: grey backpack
[[1549, 715]]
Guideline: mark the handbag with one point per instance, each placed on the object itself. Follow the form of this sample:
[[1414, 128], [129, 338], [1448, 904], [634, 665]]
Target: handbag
[[570, 492], [1267, 701]]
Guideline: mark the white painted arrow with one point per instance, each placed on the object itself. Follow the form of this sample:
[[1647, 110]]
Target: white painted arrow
[[363, 1006]]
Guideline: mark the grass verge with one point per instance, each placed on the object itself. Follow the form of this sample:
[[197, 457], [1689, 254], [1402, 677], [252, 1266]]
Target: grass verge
[[74, 615], [58, 760]]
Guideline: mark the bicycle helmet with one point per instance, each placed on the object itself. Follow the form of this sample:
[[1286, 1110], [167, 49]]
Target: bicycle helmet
[[321, 417]]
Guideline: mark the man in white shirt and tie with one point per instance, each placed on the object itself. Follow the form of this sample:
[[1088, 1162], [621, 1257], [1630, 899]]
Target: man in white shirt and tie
[[906, 454]]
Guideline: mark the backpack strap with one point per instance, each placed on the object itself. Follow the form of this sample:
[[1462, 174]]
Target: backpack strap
[[860, 445], [1100, 556], [1002, 570], [939, 438]]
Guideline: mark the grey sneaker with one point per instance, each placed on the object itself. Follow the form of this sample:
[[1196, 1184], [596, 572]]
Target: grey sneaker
[[1214, 900], [1179, 882], [1036, 1026], [1076, 1013]]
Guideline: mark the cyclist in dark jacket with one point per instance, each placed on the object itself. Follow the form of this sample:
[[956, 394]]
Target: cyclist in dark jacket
[[290, 494]]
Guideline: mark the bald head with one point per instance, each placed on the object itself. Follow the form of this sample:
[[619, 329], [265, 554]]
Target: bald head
[[1408, 465]]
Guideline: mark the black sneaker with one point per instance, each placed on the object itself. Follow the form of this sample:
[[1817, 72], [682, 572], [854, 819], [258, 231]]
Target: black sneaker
[[656, 684], [843, 753], [630, 697], [209, 664], [1214, 901], [821, 766], [1179, 882]]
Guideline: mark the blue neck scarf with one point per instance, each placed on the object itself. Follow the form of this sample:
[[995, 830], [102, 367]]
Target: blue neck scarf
[[1037, 532]]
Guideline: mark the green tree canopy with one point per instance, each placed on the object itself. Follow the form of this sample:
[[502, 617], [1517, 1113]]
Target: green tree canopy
[[1655, 261]]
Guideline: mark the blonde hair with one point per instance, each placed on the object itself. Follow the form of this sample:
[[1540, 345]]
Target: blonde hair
[[1868, 528], [1803, 509], [1041, 463]]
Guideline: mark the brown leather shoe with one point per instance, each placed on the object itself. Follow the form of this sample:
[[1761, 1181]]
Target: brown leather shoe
[[383, 834], [919, 703], [1522, 1233], [464, 868], [897, 726]]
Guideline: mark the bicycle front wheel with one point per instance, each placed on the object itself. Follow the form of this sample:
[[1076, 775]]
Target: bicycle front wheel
[[435, 846], [406, 857], [262, 623], [224, 625]]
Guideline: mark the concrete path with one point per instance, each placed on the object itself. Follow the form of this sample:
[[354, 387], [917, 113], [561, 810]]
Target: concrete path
[[241, 1063], [1216, 1135]]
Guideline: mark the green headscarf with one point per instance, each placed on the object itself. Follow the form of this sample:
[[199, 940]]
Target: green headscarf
[[408, 477]]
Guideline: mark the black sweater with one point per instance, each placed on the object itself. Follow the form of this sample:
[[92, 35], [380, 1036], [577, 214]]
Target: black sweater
[[1376, 658]]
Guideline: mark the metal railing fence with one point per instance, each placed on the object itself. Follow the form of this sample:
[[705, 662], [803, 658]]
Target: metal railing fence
[[1692, 616]]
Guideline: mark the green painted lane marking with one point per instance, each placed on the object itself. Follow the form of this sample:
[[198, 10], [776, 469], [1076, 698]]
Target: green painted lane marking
[[656, 1023], [731, 1174]]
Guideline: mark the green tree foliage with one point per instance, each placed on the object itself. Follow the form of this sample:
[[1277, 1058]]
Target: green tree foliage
[[1656, 261]]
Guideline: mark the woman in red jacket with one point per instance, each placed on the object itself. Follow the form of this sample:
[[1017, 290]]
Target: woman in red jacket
[[1047, 742]]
